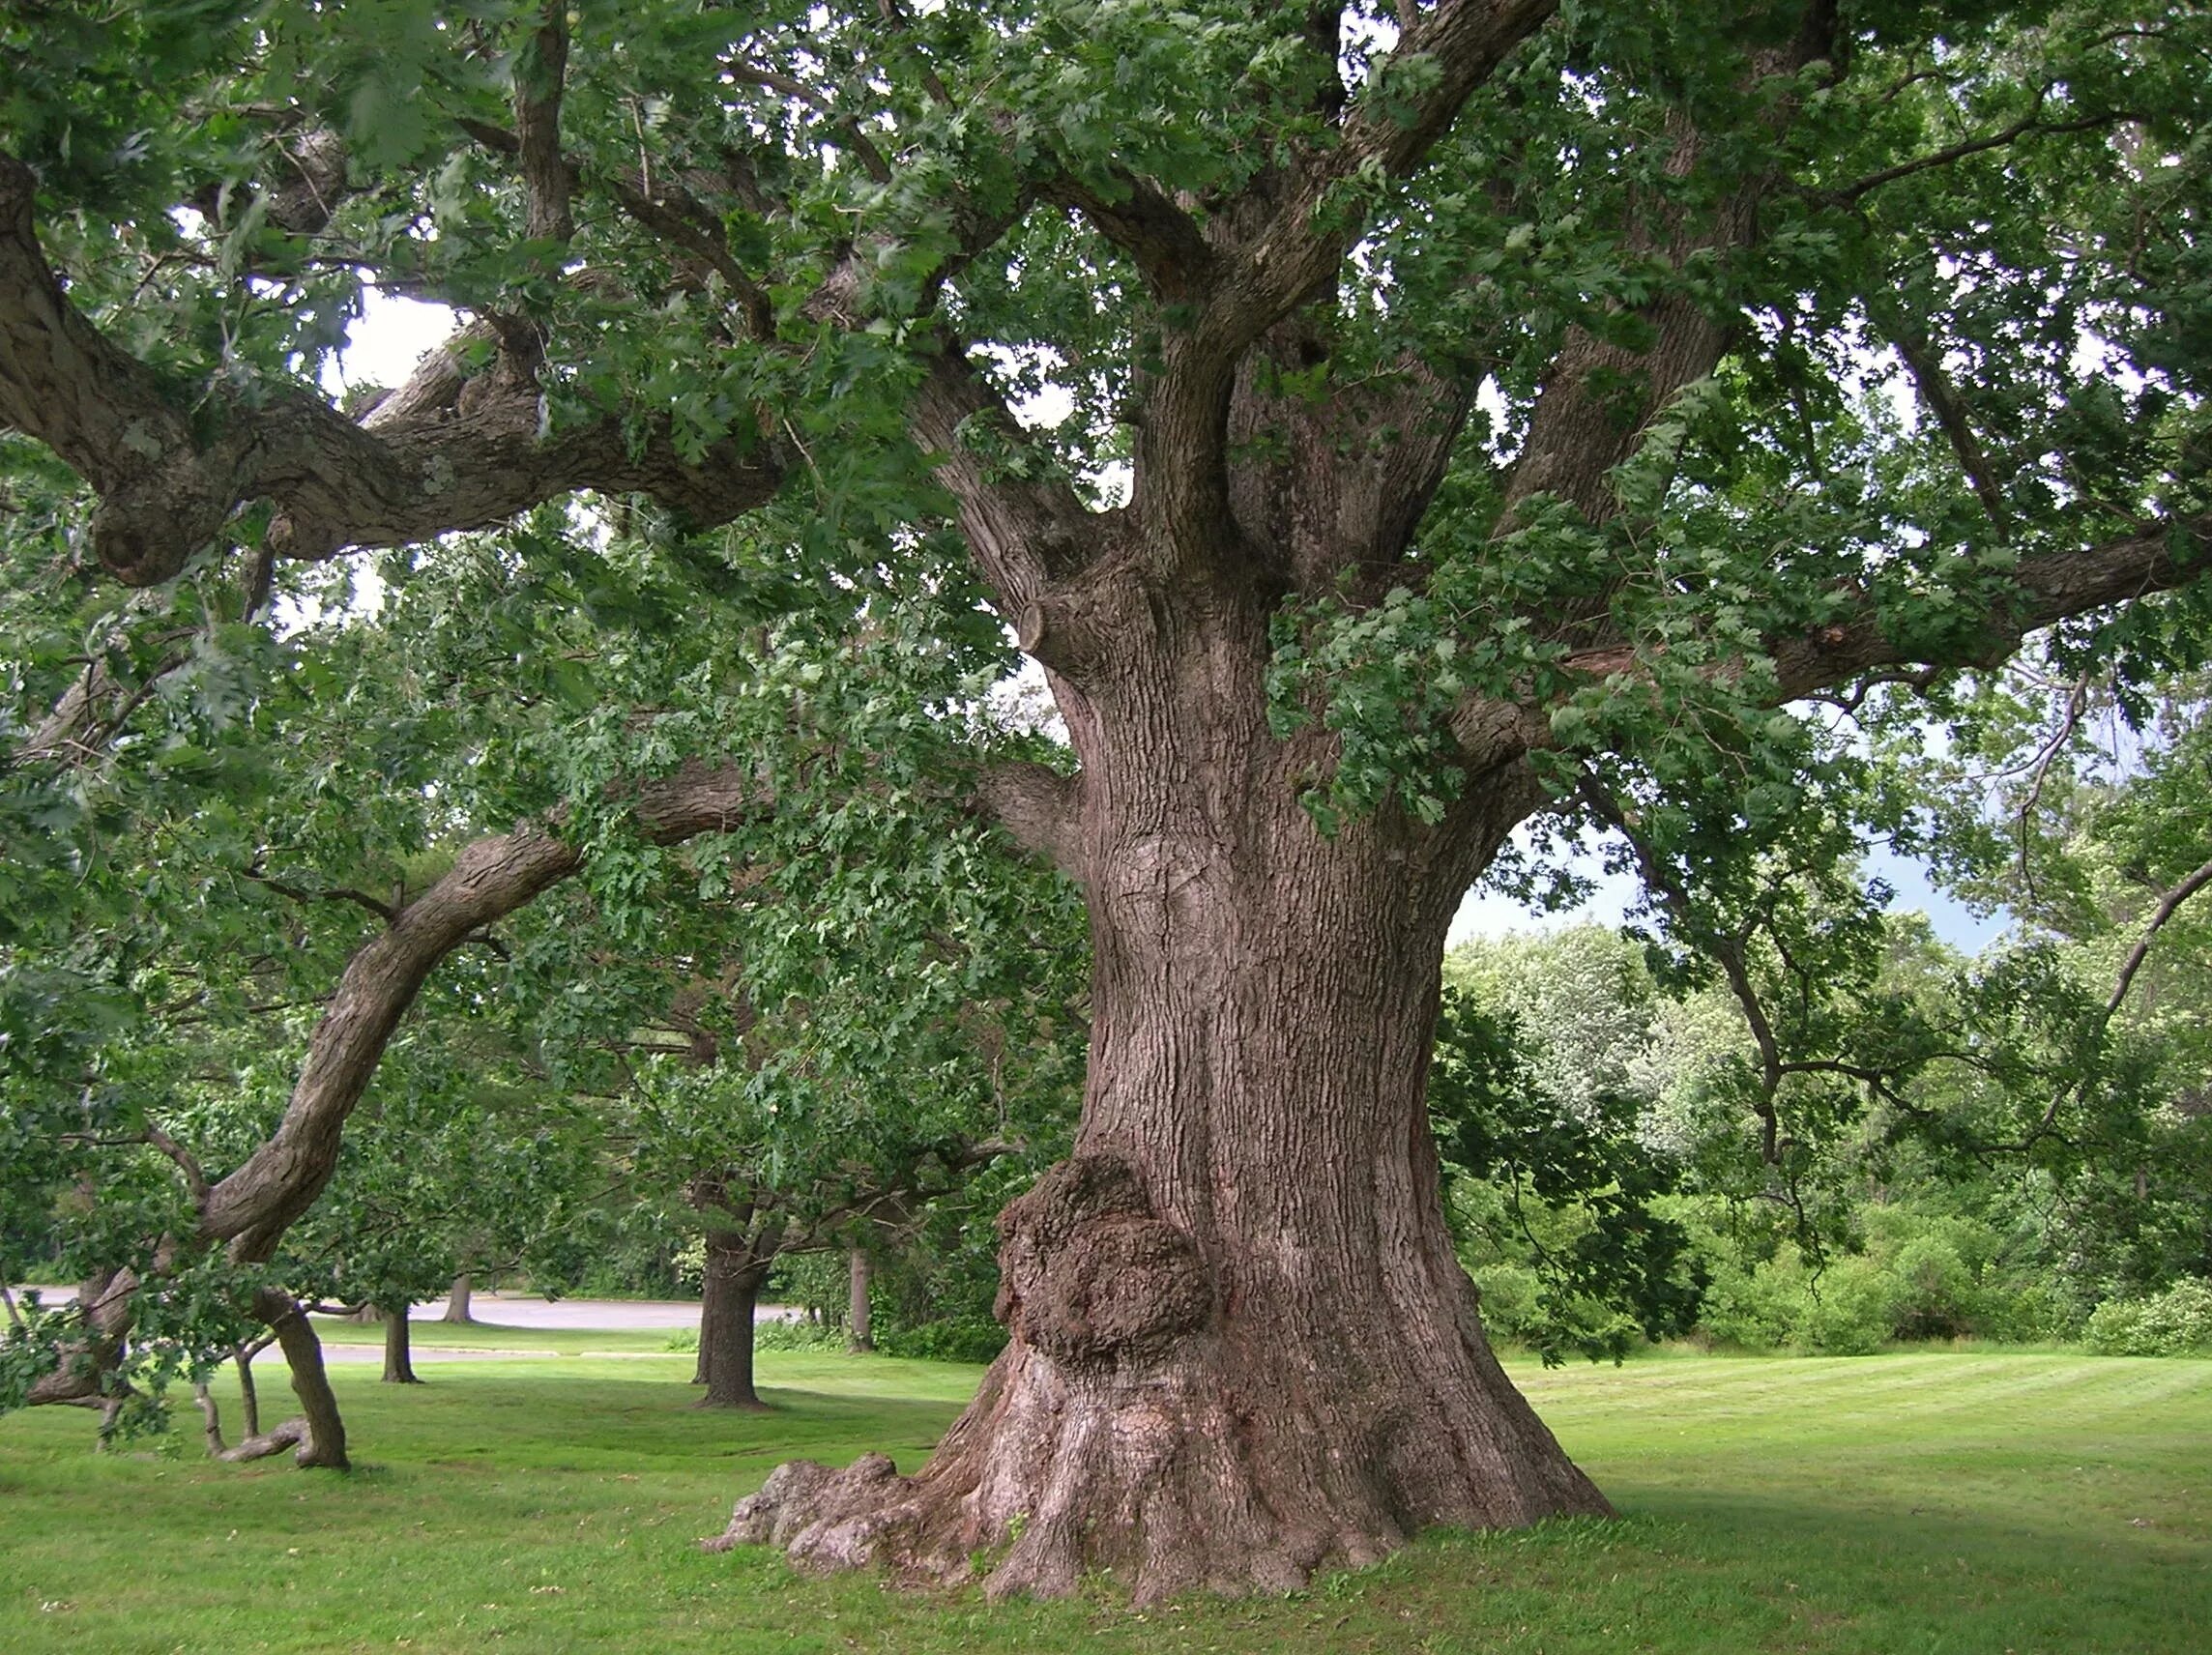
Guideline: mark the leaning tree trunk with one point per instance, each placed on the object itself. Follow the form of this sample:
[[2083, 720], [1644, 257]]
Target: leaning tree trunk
[[398, 1355], [733, 1284], [459, 1301], [860, 1321], [1242, 1346], [323, 1441], [248, 1394]]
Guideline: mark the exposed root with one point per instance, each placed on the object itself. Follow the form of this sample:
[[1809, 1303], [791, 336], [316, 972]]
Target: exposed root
[[1132, 1428], [259, 1446]]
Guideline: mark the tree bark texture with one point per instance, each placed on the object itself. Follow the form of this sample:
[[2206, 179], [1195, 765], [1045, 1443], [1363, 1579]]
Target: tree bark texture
[[323, 1442], [733, 1284], [248, 1394], [399, 1356], [1244, 1348], [859, 1320], [460, 1300]]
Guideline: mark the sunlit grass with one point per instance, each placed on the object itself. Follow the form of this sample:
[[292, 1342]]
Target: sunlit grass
[[1969, 1502], [424, 1334]]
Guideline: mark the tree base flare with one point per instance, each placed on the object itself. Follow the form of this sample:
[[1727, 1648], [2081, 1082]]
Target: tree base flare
[[1043, 1482], [1181, 1451]]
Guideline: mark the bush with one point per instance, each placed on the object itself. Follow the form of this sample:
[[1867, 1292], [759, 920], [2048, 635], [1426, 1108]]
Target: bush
[[799, 1334], [1752, 1309], [959, 1339], [1854, 1310], [2176, 1322], [778, 1335]]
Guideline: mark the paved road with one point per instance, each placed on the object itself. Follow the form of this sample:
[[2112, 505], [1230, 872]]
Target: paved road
[[616, 1315], [528, 1310]]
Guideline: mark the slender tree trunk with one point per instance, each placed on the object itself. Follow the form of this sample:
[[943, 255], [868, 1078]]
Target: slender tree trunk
[[324, 1443], [733, 1287], [399, 1356], [712, 1305], [249, 1396], [459, 1301], [861, 1333], [1242, 1346]]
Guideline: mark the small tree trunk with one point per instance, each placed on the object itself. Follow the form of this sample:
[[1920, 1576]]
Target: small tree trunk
[[324, 1445], [459, 1301], [712, 1307], [399, 1356], [726, 1328], [249, 1397], [860, 1321]]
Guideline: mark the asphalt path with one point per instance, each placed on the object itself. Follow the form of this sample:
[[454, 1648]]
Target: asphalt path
[[560, 1314], [528, 1310], [571, 1315], [520, 1310]]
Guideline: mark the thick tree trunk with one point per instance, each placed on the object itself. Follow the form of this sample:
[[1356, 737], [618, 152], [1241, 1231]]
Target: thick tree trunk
[[733, 1284], [459, 1302], [859, 1323], [399, 1356], [1244, 1348]]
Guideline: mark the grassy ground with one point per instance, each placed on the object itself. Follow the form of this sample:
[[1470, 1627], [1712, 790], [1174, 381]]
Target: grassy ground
[[1908, 1503], [426, 1334]]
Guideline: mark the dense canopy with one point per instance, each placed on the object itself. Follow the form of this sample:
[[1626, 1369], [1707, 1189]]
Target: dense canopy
[[1383, 427]]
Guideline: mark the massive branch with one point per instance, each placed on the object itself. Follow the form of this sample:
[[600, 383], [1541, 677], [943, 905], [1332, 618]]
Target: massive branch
[[1288, 257], [251, 1207], [449, 451], [1860, 645]]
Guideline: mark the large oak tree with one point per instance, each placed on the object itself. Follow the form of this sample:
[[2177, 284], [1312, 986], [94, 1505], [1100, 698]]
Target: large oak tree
[[1473, 409]]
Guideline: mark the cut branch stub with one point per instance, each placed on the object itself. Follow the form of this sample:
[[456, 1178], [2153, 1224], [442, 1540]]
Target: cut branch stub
[[1088, 1275]]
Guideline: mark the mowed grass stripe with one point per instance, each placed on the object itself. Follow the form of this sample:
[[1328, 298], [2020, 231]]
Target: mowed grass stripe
[[1961, 1501]]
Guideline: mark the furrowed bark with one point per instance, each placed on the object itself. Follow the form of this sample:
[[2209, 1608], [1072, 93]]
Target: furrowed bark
[[1242, 1347]]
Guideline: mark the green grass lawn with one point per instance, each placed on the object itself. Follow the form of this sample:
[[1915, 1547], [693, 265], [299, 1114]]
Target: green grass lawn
[[430, 1335], [1906, 1503]]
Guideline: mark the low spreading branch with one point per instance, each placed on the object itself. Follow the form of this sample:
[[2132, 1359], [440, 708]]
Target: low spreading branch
[[449, 453]]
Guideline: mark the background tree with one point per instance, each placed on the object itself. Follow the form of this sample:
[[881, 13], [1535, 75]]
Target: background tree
[[1504, 392]]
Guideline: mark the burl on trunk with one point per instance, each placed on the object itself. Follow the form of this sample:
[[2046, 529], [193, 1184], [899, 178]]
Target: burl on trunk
[[1242, 1347]]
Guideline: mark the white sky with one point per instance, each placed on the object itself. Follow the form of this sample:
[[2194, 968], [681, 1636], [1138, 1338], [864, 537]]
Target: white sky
[[1487, 913]]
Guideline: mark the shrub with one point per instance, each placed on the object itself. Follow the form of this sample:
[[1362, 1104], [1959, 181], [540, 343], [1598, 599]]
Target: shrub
[[955, 1339], [1937, 1294], [1752, 1309], [2176, 1322], [1854, 1310], [798, 1334]]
